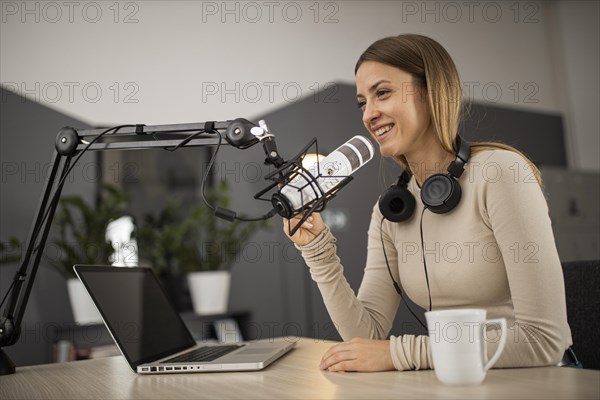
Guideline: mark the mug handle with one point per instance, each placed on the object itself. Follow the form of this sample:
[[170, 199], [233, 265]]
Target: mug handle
[[496, 356]]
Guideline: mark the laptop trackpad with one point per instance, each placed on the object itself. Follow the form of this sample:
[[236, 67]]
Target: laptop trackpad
[[255, 351]]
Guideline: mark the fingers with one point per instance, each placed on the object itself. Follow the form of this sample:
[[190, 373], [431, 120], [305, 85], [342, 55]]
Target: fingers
[[344, 366], [329, 353], [337, 357], [308, 224], [287, 223], [358, 354], [307, 232]]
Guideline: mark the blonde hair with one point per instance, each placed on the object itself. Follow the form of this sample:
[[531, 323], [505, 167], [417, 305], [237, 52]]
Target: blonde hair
[[434, 71]]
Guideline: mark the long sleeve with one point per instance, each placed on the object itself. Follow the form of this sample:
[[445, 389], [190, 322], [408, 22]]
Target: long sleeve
[[518, 217], [370, 315]]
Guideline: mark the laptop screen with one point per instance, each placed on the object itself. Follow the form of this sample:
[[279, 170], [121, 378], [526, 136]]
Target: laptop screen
[[136, 311]]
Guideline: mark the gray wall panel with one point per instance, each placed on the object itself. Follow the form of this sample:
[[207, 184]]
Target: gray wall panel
[[27, 134]]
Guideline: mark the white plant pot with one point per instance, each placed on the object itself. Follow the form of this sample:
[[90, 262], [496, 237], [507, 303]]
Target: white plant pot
[[84, 310], [209, 291]]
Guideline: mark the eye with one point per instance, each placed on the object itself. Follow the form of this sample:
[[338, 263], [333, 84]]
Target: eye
[[361, 104], [382, 92]]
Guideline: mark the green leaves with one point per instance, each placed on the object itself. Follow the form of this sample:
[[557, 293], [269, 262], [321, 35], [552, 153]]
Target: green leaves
[[81, 228], [78, 231], [175, 240], [194, 239]]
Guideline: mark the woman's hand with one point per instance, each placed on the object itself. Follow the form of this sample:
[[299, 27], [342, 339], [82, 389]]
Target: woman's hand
[[307, 231], [362, 355]]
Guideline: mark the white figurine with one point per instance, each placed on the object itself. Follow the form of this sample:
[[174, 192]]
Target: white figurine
[[118, 233]]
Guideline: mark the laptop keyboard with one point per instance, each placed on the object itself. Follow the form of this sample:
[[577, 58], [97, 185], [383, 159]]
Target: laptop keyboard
[[203, 354]]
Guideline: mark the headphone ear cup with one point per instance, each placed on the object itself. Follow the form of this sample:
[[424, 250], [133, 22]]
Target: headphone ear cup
[[397, 204], [440, 193]]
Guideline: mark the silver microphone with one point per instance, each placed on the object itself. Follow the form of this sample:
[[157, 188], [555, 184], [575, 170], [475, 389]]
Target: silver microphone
[[301, 192]]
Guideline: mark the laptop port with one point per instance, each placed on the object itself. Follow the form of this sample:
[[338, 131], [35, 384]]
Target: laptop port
[[177, 368], [152, 369], [160, 369], [169, 368]]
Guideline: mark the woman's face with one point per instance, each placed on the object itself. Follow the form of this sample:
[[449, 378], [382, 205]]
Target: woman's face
[[394, 109]]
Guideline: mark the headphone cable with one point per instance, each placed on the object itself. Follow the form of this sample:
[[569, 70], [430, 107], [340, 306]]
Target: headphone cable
[[396, 284], [423, 253]]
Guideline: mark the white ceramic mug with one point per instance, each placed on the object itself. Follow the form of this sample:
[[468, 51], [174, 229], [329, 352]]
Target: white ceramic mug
[[458, 343]]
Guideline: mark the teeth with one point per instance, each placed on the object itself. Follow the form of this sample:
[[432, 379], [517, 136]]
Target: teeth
[[383, 130]]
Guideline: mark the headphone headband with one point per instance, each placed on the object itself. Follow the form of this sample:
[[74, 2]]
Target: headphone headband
[[457, 167]]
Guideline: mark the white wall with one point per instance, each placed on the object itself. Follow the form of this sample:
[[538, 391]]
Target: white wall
[[170, 62], [575, 30]]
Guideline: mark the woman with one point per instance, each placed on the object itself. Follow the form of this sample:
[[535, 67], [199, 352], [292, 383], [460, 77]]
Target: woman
[[494, 250]]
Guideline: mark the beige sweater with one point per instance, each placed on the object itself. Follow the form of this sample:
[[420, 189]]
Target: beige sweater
[[495, 251]]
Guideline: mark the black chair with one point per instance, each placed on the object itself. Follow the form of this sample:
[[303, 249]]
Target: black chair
[[582, 285]]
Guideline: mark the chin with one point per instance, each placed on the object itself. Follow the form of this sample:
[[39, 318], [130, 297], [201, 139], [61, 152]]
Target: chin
[[387, 152]]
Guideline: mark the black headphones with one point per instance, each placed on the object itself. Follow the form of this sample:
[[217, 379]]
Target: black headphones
[[440, 192]]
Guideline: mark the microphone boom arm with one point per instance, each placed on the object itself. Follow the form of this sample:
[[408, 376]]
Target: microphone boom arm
[[70, 142]]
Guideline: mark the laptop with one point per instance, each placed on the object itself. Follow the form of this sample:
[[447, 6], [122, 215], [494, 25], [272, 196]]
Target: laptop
[[150, 333]]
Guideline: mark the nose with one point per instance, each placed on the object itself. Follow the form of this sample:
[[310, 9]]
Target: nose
[[370, 114]]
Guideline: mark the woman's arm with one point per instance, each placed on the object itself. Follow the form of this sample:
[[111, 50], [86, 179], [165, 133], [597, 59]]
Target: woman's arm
[[370, 314], [518, 215], [369, 317]]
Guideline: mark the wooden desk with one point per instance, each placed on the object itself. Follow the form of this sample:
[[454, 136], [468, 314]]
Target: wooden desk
[[296, 375]]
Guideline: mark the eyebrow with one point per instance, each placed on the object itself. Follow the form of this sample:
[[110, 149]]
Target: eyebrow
[[374, 86]]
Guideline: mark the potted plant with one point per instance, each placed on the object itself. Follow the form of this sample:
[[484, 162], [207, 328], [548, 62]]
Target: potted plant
[[80, 239], [162, 241], [193, 241]]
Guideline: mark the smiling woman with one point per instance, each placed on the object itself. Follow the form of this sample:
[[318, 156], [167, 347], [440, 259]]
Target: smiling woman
[[394, 110], [486, 241]]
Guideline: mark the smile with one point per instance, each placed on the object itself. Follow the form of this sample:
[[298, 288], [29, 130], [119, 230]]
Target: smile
[[383, 129]]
